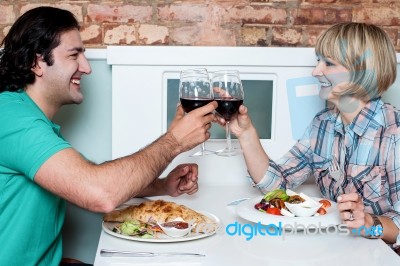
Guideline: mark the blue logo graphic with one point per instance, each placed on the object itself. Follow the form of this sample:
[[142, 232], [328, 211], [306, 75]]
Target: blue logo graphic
[[304, 103], [371, 231], [252, 230]]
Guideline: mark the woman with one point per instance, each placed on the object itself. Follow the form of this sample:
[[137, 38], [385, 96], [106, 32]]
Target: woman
[[356, 64]]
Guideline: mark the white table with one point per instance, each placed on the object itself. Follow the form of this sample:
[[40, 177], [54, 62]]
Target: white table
[[222, 249]]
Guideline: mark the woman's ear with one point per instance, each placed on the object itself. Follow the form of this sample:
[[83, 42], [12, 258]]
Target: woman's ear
[[37, 67]]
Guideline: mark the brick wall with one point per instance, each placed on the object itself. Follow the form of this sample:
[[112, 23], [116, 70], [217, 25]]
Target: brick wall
[[213, 22]]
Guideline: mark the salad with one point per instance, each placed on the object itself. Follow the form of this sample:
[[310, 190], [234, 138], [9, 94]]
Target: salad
[[289, 203], [149, 230], [136, 228]]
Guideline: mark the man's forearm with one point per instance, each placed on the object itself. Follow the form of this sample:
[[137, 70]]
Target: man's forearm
[[156, 188], [140, 169]]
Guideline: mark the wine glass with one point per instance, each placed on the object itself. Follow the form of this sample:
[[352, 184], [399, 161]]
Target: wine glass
[[195, 91], [228, 92]]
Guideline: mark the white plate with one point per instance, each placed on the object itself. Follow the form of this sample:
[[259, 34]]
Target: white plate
[[247, 211], [163, 238]]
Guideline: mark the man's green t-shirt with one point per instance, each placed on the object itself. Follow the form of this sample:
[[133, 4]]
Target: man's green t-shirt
[[31, 218]]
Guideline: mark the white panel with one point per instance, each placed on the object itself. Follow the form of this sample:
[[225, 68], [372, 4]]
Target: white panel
[[136, 101], [306, 90], [210, 56], [96, 53]]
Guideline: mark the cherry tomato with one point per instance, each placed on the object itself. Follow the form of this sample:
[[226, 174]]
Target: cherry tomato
[[321, 211], [274, 211], [258, 206], [325, 203], [262, 206]]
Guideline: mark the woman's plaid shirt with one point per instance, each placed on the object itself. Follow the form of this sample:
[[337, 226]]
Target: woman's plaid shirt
[[369, 152]]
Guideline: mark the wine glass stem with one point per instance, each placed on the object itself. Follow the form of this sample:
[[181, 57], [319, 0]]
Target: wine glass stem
[[228, 137], [203, 147]]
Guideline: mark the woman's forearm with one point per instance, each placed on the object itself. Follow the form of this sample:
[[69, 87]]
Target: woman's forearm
[[257, 160], [390, 230]]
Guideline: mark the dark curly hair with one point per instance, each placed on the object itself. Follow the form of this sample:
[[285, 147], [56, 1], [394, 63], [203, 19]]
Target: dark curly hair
[[36, 32]]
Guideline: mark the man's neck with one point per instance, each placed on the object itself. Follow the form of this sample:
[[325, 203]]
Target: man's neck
[[48, 109]]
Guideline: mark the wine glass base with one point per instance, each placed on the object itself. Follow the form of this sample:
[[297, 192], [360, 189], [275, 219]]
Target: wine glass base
[[229, 153], [202, 153]]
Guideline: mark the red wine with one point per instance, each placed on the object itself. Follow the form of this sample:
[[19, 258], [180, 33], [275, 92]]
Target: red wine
[[227, 107], [189, 104]]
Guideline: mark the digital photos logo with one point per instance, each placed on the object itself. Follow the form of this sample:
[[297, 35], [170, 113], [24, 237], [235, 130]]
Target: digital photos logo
[[368, 231], [251, 230]]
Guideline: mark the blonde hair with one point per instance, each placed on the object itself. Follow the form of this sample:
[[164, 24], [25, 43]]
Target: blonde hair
[[366, 51]]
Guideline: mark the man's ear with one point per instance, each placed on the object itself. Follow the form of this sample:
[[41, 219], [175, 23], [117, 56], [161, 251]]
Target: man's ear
[[37, 67]]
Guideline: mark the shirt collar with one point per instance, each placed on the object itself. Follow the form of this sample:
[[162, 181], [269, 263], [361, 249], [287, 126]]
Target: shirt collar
[[370, 118], [26, 98]]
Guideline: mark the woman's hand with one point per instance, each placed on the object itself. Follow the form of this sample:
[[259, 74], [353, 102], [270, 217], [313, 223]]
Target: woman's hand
[[351, 210], [257, 160], [241, 122]]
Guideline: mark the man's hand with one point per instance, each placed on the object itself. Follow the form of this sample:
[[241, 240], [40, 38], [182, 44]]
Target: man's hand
[[181, 180], [192, 129]]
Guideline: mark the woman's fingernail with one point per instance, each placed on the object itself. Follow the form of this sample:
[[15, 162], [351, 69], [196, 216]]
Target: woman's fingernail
[[339, 198]]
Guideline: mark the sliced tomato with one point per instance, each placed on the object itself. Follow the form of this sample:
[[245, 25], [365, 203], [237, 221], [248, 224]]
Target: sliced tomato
[[325, 203], [274, 211], [321, 211], [156, 228]]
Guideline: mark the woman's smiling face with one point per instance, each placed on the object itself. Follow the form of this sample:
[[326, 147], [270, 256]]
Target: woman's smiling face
[[333, 77]]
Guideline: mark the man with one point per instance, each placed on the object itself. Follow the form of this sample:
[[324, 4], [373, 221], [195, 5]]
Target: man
[[41, 66]]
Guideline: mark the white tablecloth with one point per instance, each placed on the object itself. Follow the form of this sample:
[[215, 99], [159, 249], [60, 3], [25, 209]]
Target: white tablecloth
[[223, 249]]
